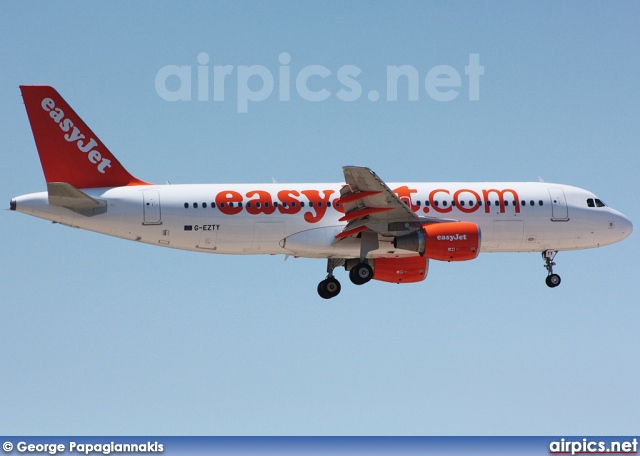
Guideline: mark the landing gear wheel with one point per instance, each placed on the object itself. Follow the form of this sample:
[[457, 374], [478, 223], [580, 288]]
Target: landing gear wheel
[[361, 273], [553, 280], [329, 288]]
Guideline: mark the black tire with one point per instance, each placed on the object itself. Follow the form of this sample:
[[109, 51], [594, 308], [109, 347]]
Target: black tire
[[553, 280], [329, 288], [332, 287], [322, 290], [361, 274]]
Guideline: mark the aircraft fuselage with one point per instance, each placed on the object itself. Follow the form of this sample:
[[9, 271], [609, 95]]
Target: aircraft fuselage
[[250, 219]]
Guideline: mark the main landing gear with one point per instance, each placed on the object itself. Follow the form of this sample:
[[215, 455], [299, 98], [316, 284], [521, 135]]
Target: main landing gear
[[330, 287], [552, 280], [359, 273]]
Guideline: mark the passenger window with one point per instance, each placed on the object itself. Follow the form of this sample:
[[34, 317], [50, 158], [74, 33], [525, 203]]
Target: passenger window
[[462, 203], [328, 203], [531, 203], [418, 203], [195, 205], [444, 203], [213, 205], [186, 205], [204, 205], [230, 204], [540, 203], [249, 204]]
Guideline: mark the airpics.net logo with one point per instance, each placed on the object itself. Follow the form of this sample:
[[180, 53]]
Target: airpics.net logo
[[312, 83]]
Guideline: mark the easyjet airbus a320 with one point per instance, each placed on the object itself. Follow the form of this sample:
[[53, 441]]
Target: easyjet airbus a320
[[375, 230]]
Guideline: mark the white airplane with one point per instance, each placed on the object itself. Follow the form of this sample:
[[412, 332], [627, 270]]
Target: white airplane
[[374, 230]]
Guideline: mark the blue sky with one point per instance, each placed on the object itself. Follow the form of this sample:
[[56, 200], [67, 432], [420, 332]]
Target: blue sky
[[103, 336]]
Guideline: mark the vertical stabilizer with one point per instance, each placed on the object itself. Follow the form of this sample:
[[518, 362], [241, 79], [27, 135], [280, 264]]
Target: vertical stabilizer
[[69, 151]]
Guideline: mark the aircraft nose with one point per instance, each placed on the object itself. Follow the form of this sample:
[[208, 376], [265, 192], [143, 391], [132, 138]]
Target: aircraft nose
[[627, 226], [622, 225]]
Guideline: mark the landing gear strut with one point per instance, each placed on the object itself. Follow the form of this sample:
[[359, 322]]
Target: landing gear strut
[[552, 280], [330, 287]]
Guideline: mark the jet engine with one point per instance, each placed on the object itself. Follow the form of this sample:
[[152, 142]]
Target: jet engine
[[401, 270], [448, 241]]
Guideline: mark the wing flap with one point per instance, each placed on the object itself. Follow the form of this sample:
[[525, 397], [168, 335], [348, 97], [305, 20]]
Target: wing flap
[[363, 212], [370, 204], [366, 190], [355, 196]]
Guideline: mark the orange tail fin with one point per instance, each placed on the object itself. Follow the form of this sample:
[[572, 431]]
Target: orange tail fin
[[69, 151]]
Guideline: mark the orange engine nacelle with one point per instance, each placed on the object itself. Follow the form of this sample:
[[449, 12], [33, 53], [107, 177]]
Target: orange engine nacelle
[[448, 241], [401, 270]]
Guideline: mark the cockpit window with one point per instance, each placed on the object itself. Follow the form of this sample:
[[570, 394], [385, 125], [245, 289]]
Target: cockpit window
[[595, 202]]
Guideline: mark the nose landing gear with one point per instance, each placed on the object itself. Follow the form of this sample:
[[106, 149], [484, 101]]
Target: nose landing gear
[[552, 280]]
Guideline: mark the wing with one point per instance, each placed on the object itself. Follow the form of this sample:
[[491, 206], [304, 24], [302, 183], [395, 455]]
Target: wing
[[370, 205]]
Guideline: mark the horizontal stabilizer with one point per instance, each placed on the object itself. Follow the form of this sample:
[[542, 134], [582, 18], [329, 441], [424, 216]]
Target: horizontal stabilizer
[[67, 196]]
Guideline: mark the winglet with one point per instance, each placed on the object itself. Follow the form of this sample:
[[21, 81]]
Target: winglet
[[69, 151]]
